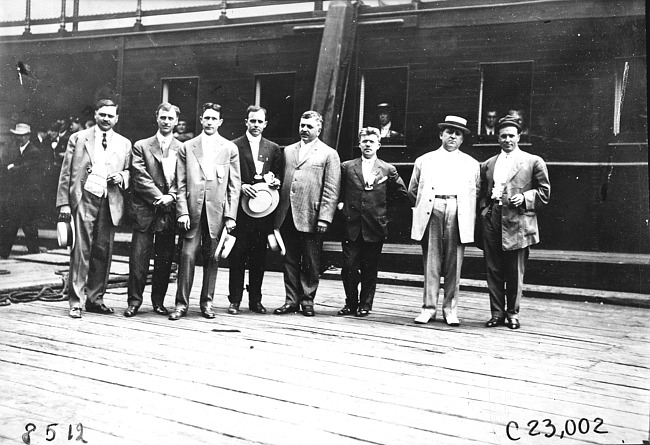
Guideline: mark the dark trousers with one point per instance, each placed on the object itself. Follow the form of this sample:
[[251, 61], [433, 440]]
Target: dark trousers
[[360, 260], [191, 246], [505, 269], [143, 244], [90, 260], [301, 263], [250, 249], [23, 215]]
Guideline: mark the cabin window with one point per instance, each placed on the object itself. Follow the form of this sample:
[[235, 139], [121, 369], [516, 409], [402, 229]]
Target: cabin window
[[382, 102], [183, 92], [631, 99], [276, 93], [507, 89]]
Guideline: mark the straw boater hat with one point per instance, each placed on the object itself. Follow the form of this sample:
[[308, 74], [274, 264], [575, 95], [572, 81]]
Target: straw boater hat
[[21, 129], [263, 204], [225, 245], [65, 233], [455, 122]]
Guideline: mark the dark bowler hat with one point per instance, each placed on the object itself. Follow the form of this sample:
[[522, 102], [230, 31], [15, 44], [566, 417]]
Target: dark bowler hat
[[455, 122], [509, 121]]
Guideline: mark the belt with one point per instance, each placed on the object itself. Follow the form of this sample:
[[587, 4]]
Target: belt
[[446, 196]]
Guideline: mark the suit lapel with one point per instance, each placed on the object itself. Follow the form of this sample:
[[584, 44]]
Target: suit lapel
[[358, 169], [516, 166], [265, 154], [310, 152], [89, 143], [248, 156], [155, 149], [198, 152]]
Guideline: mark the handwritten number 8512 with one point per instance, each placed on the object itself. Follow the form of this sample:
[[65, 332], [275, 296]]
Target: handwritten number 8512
[[50, 432]]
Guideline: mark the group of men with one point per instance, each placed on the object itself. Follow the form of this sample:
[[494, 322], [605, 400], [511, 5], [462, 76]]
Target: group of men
[[210, 191]]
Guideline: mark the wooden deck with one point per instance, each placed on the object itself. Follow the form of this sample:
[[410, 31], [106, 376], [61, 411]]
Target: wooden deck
[[267, 379]]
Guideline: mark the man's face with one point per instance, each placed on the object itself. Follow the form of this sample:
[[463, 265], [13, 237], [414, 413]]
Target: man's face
[[256, 122], [75, 126], [53, 134], [106, 117], [491, 119], [166, 121], [451, 138], [309, 129], [508, 138], [21, 139], [181, 127], [211, 121], [384, 117], [369, 144]]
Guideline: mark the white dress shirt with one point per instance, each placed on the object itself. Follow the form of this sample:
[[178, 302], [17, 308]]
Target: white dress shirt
[[448, 180], [209, 144], [366, 168], [304, 149], [501, 170]]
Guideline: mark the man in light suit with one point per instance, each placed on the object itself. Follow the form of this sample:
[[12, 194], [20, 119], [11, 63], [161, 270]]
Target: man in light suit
[[153, 211], [308, 201], [94, 173], [207, 173], [257, 157], [366, 183], [514, 186], [443, 189]]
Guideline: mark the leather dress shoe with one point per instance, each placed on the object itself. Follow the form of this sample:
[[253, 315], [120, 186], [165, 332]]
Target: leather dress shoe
[[208, 313], [160, 309], [75, 312], [99, 309], [346, 311], [257, 307], [131, 311], [233, 309], [494, 322], [285, 309], [362, 313], [177, 314], [451, 320], [513, 323], [308, 311], [426, 315]]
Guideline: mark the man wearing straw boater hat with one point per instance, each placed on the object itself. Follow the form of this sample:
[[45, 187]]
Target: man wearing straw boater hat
[[22, 200], [514, 186], [94, 174], [260, 162], [443, 189]]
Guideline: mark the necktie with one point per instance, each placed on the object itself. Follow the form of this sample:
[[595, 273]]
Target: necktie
[[104, 143]]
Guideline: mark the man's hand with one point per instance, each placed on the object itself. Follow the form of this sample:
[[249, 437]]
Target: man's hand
[[230, 225], [322, 227], [163, 201], [64, 212], [274, 184], [249, 190], [517, 200], [114, 179], [183, 222]]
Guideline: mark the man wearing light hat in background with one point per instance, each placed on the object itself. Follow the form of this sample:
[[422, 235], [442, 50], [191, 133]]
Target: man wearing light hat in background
[[22, 200], [443, 189], [257, 158]]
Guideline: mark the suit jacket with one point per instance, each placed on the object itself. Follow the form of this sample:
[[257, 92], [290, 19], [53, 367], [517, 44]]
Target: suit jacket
[[148, 181], [25, 178], [529, 176], [271, 154], [78, 163], [365, 210], [310, 187], [220, 196], [422, 193]]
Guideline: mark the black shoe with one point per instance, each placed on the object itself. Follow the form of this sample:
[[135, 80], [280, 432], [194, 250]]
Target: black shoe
[[494, 322], [257, 308], [308, 311], [160, 309], [513, 323], [285, 309], [99, 309], [75, 312], [208, 313], [362, 313], [233, 309], [346, 311], [177, 314], [131, 311]]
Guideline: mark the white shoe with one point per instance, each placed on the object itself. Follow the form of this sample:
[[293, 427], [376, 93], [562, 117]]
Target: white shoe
[[452, 320], [426, 316]]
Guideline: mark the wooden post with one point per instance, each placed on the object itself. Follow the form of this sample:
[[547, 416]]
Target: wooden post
[[75, 15], [138, 17], [336, 51], [62, 19], [28, 18]]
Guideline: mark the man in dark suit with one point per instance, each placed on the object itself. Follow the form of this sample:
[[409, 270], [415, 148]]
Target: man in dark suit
[[153, 211], [22, 201], [308, 200], [207, 173], [366, 183], [514, 186], [257, 157], [94, 173]]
